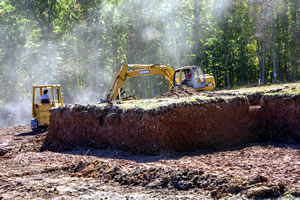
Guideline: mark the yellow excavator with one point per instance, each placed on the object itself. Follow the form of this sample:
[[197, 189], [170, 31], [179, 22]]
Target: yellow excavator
[[191, 75], [42, 106]]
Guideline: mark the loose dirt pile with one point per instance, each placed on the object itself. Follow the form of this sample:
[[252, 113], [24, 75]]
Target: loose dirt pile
[[131, 97], [180, 91], [180, 179]]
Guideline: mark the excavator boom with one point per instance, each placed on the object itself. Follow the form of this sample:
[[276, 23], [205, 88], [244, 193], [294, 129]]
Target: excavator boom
[[138, 70]]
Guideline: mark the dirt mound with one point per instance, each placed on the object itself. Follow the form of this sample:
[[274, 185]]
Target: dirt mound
[[131, 97], [179, 91], [184, 126]]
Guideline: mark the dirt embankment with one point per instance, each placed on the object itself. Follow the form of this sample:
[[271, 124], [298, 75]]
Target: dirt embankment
[[282, 115], [176, 127], [185, 126]]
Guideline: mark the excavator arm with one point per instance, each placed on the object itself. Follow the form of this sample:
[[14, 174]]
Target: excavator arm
[[138, 70]]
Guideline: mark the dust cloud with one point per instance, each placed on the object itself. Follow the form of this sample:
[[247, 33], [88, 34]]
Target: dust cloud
[[156, 26], [15, 113]]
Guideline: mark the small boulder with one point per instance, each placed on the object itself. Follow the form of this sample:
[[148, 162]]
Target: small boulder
[[183, 185], [263, 191], [258, 179]]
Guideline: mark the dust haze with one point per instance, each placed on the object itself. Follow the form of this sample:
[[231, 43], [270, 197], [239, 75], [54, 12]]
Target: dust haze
[[61, 59]]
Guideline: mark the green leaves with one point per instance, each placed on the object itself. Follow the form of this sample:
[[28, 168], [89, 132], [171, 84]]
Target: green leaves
[[5, 7]]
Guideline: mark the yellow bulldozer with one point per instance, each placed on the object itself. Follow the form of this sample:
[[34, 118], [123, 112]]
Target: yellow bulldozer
[[42, 103], [191, 76]]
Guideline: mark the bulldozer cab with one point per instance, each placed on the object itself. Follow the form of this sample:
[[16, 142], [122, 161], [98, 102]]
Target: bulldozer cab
[[194, 77], [41, 107]]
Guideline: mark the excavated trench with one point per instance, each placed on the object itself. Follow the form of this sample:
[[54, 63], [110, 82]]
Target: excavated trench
[[214, 122]]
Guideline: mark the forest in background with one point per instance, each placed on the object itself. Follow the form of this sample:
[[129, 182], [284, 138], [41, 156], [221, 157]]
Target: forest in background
[[81, 45]]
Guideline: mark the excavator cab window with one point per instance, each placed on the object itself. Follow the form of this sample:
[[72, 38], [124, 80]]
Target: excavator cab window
[[199, 77], [177, 77], [186, 77]]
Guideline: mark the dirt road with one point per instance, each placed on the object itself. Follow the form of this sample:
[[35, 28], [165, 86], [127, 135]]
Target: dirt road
[[244, 172]]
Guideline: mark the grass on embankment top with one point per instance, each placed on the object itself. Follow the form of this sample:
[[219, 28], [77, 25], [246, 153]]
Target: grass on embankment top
[[148, 104], [290, 88], [293, 88]]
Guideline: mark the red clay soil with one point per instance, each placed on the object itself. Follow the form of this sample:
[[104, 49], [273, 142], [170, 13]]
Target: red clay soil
[[178, 127], [282, 115], [185, 126]]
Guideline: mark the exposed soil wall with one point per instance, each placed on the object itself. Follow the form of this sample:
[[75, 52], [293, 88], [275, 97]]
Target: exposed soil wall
[[211, 124], [282, 116], [186, 126], [177, 127]]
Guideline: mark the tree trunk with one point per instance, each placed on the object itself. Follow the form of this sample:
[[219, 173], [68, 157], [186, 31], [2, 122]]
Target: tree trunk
[[273, 44], [77, 64], [259, 55], [228, 80], [214, 73], [96, 74], [48, 48], [279, 49], [196, 33], [295, 39], [263, 46], [177, 51]]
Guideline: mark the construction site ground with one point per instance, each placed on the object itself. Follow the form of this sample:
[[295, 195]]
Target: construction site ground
[[245, 171]]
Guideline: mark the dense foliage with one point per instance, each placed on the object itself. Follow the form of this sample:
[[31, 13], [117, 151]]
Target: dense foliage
[[81, 44]]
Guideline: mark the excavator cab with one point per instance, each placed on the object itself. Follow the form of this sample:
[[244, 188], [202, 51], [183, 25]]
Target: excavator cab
[[41, 108], [194, 77]]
